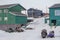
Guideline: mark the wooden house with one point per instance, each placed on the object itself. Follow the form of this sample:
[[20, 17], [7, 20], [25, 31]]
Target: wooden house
[[11, 16], [34, 13], [54, 15]]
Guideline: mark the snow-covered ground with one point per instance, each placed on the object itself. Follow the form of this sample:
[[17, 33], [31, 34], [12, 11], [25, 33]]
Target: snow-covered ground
[[37, 25]]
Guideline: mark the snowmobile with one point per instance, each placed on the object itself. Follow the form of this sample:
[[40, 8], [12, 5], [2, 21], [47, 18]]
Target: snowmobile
[[9, 30], [44, 33], [51, 34]]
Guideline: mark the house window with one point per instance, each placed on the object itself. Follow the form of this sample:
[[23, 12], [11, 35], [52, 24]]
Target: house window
[[0, 11], [0, 19], [5, 10], [57, 12], [5, 19]]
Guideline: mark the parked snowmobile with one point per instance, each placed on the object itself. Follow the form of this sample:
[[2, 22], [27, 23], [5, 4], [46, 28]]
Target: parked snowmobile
[[51, 34], [44, 33]]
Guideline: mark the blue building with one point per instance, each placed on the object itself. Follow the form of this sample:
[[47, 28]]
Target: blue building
[[34, 12]]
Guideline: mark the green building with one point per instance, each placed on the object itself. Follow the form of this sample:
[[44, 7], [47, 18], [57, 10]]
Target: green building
[[11, 16], [54, 15]]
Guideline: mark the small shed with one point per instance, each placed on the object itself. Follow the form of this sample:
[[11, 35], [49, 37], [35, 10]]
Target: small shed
[[11, 16], [54, 15]]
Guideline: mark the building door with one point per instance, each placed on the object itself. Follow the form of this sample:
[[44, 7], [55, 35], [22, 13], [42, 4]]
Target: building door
[[54, 22]]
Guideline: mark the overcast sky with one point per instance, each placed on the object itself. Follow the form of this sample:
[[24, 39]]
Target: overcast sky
[[37, 4]]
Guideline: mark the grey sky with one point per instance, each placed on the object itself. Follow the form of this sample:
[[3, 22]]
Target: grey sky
[[39, 4]]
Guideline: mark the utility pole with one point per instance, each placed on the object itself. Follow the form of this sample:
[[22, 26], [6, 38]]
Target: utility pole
[[46, 14]]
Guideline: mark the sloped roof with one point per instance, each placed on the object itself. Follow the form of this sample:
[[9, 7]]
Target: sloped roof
[[10, 5], [7, 6], [55, 6]]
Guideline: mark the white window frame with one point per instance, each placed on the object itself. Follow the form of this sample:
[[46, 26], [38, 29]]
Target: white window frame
[[57, 12], [5, 18], [0, 11], [0, 18], [5, 10]]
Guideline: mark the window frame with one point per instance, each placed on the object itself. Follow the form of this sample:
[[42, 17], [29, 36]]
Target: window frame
[[57, 12], [0, 11], [5, 10], [5, 18], [0, 18]]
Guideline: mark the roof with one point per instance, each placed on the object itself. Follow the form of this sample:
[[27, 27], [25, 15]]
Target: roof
[[30, 9], [10, 5], [55, 6]]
